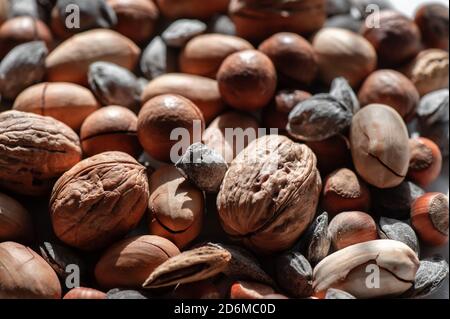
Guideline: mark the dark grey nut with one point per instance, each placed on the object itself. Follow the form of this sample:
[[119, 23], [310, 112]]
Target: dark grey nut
[[158, 59], [344, 21], [429, 277], [18, 8], [181, 31], [389, 228], [319, 118], [395, 202], [335, 7], [294, 274], [93, 13], [126, 294], [222, 24], [204, 167], [114, 85], [366, 7], [22, 67], [333, 293], [315, 243], [343, 92]]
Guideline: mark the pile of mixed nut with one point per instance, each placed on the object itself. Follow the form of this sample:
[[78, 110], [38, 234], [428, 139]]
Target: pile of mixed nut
[[243, 149]]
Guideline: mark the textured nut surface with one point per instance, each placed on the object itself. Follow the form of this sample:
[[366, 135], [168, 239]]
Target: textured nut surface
[[397, 230], [294, 274], [269, 194], [34, 151], [425, 163], [99, 200]]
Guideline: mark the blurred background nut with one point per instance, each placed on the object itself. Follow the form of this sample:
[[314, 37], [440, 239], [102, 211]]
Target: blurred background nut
[[343, 53], [66, 102], [176, 206], [15, 221], [21, 30], [391, 88], [25, 275], [294, 274], [380, 145], [395, 37], [129, 262], [426, 161], [204, 54], [293, 57], [181, 31], [432, 20], [366, 7], [428, 71], [34, 151], [111, 128], [336, 7], [4, 10], [136, 19], [256, 20], [429, 217], [84, 293], [344, 191], [221, 24], [158, 59], [70, 60], [99, 200], [159, 116], [389, 228], [350, 228], [344, 21], [249, 290], [199, 9], [202, 91]]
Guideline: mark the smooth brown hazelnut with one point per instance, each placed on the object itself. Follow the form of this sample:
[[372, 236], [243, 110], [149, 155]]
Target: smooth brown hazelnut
[[199, 9], [277, 113], [395, 37], [293, 57], [128, 263], [136, 19], [345, 191], [215, 136], [247, 80], [204, 54], [159, 117], [343, 53], [176, 206], [429, 217], [432, 20], [20, 30], [25, 275], [67, 102], [15, 221], [202, 91], [350, 228], [250, 290], [111, 128], [84, 293], [391, 88], [425, 163], [428, 71], [380, 145]]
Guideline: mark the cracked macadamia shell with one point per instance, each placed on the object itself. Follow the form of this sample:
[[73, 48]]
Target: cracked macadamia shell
[[269, 194], [99, 200], [380, 145]]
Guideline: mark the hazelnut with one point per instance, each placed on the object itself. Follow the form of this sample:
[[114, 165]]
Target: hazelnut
[[20, 30], [428, 71], [111, 128], [344, 191], [277, 113], [136, 19], [391, 88], [429, 217], [67, 102], [247, 80], [199, 9], [159, 116], [380, 145], [343, 53], [128, 263], [204, 54], [395, 37], [176, 206], [25, 275], [293, 57], [15, 221], [432, 20], [202, 91], [350, 228], [250, 290], [84, 293], [426, 161]]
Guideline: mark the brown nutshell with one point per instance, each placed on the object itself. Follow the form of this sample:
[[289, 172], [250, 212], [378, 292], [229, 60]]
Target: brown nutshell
[[84, 293], [432, 20], [15, 221], [192, 8], [425, 163]]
